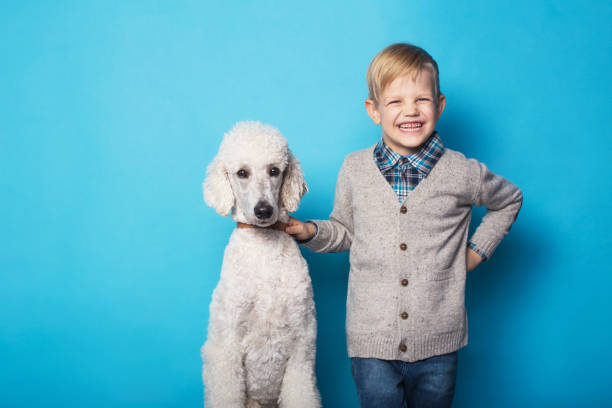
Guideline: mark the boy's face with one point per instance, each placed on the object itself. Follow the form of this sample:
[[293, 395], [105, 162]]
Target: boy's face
[[407, 112]]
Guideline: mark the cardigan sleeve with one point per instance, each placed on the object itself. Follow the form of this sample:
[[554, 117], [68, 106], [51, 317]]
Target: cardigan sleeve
[[336, 234], [503, 201]]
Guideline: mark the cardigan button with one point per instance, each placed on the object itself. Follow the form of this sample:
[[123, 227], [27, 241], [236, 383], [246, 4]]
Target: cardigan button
[[403, 348], [403, 210], [404, 282], [404, 315], [403, 246]]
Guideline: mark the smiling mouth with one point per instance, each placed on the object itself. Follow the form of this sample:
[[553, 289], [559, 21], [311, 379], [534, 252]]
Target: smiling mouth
[[410, 125]]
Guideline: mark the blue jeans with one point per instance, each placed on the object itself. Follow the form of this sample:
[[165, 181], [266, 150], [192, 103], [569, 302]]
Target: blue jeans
[[428, 383]]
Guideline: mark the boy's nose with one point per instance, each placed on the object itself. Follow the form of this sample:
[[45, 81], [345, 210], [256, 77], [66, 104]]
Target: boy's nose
[[410, 110]]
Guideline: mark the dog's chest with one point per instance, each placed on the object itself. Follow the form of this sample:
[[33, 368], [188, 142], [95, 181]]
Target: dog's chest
[[277, 292], [270, 311], [267, 280], [274, 277]]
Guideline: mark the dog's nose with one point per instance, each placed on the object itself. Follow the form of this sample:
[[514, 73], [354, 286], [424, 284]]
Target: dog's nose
[[263, 210]]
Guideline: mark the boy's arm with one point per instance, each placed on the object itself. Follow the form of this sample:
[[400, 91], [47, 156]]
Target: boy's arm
[[503, 201], [335, 234], [472, 259]]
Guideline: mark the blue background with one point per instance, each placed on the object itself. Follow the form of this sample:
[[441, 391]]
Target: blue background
[[110, 112]]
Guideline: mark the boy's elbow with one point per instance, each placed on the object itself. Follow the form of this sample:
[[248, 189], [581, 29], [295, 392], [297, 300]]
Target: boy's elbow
[[519, 202], [519, 195]]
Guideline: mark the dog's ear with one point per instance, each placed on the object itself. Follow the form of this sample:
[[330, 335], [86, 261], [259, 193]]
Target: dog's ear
[[294, 185], [217, 189]]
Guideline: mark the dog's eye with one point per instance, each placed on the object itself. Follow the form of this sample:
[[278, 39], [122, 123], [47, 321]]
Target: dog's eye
[[274, 171], [242, 173]]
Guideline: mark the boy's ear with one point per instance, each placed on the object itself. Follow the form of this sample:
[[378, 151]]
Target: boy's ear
[[370, 106], [441, 105]]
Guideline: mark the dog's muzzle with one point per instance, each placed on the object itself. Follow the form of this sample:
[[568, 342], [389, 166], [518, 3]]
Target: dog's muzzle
[[263, 210]]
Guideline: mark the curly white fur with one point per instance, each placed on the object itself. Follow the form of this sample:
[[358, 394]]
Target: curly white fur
[[260, 350]]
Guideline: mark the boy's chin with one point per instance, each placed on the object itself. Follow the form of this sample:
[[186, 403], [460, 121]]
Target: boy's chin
[[407, 147]]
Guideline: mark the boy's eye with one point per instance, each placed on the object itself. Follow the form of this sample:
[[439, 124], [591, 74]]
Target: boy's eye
[[274, 171], [242, 173], [422, 99], [392, 102]]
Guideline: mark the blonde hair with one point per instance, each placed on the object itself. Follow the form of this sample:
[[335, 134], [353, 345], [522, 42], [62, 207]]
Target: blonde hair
[[397, 60]]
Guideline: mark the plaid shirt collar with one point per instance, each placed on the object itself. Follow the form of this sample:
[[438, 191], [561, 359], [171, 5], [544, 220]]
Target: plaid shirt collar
[[422, 160]]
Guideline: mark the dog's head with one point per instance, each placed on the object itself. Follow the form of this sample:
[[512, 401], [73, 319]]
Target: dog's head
[[254, 174]]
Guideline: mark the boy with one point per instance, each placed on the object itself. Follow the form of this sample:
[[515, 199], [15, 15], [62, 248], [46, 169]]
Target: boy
[[403, 208]]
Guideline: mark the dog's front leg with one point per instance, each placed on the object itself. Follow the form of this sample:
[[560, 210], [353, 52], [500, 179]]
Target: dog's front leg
[[299, 388], [223, 370], [223, 376]]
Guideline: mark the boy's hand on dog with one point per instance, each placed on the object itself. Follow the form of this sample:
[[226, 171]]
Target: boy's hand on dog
[[300, 230]]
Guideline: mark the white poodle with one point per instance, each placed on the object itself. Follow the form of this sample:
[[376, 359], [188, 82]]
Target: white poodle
[[260, 350]]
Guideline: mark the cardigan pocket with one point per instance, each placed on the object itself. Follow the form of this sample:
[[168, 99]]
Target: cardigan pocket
[[444, 274], [370, 307], [442, 300]]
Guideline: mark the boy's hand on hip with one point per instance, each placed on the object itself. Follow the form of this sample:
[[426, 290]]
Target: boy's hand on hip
[[300, 230], [472, 260]]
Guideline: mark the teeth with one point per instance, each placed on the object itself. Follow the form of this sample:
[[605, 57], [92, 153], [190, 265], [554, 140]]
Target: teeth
[[411, 125]]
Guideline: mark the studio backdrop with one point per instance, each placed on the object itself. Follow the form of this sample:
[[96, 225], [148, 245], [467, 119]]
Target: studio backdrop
[[111, 111]]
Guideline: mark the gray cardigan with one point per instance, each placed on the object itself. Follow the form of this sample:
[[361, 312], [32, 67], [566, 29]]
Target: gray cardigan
[[408, 268]]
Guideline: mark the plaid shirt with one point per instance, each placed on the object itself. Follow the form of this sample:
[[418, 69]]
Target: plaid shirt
[[404, 173]]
